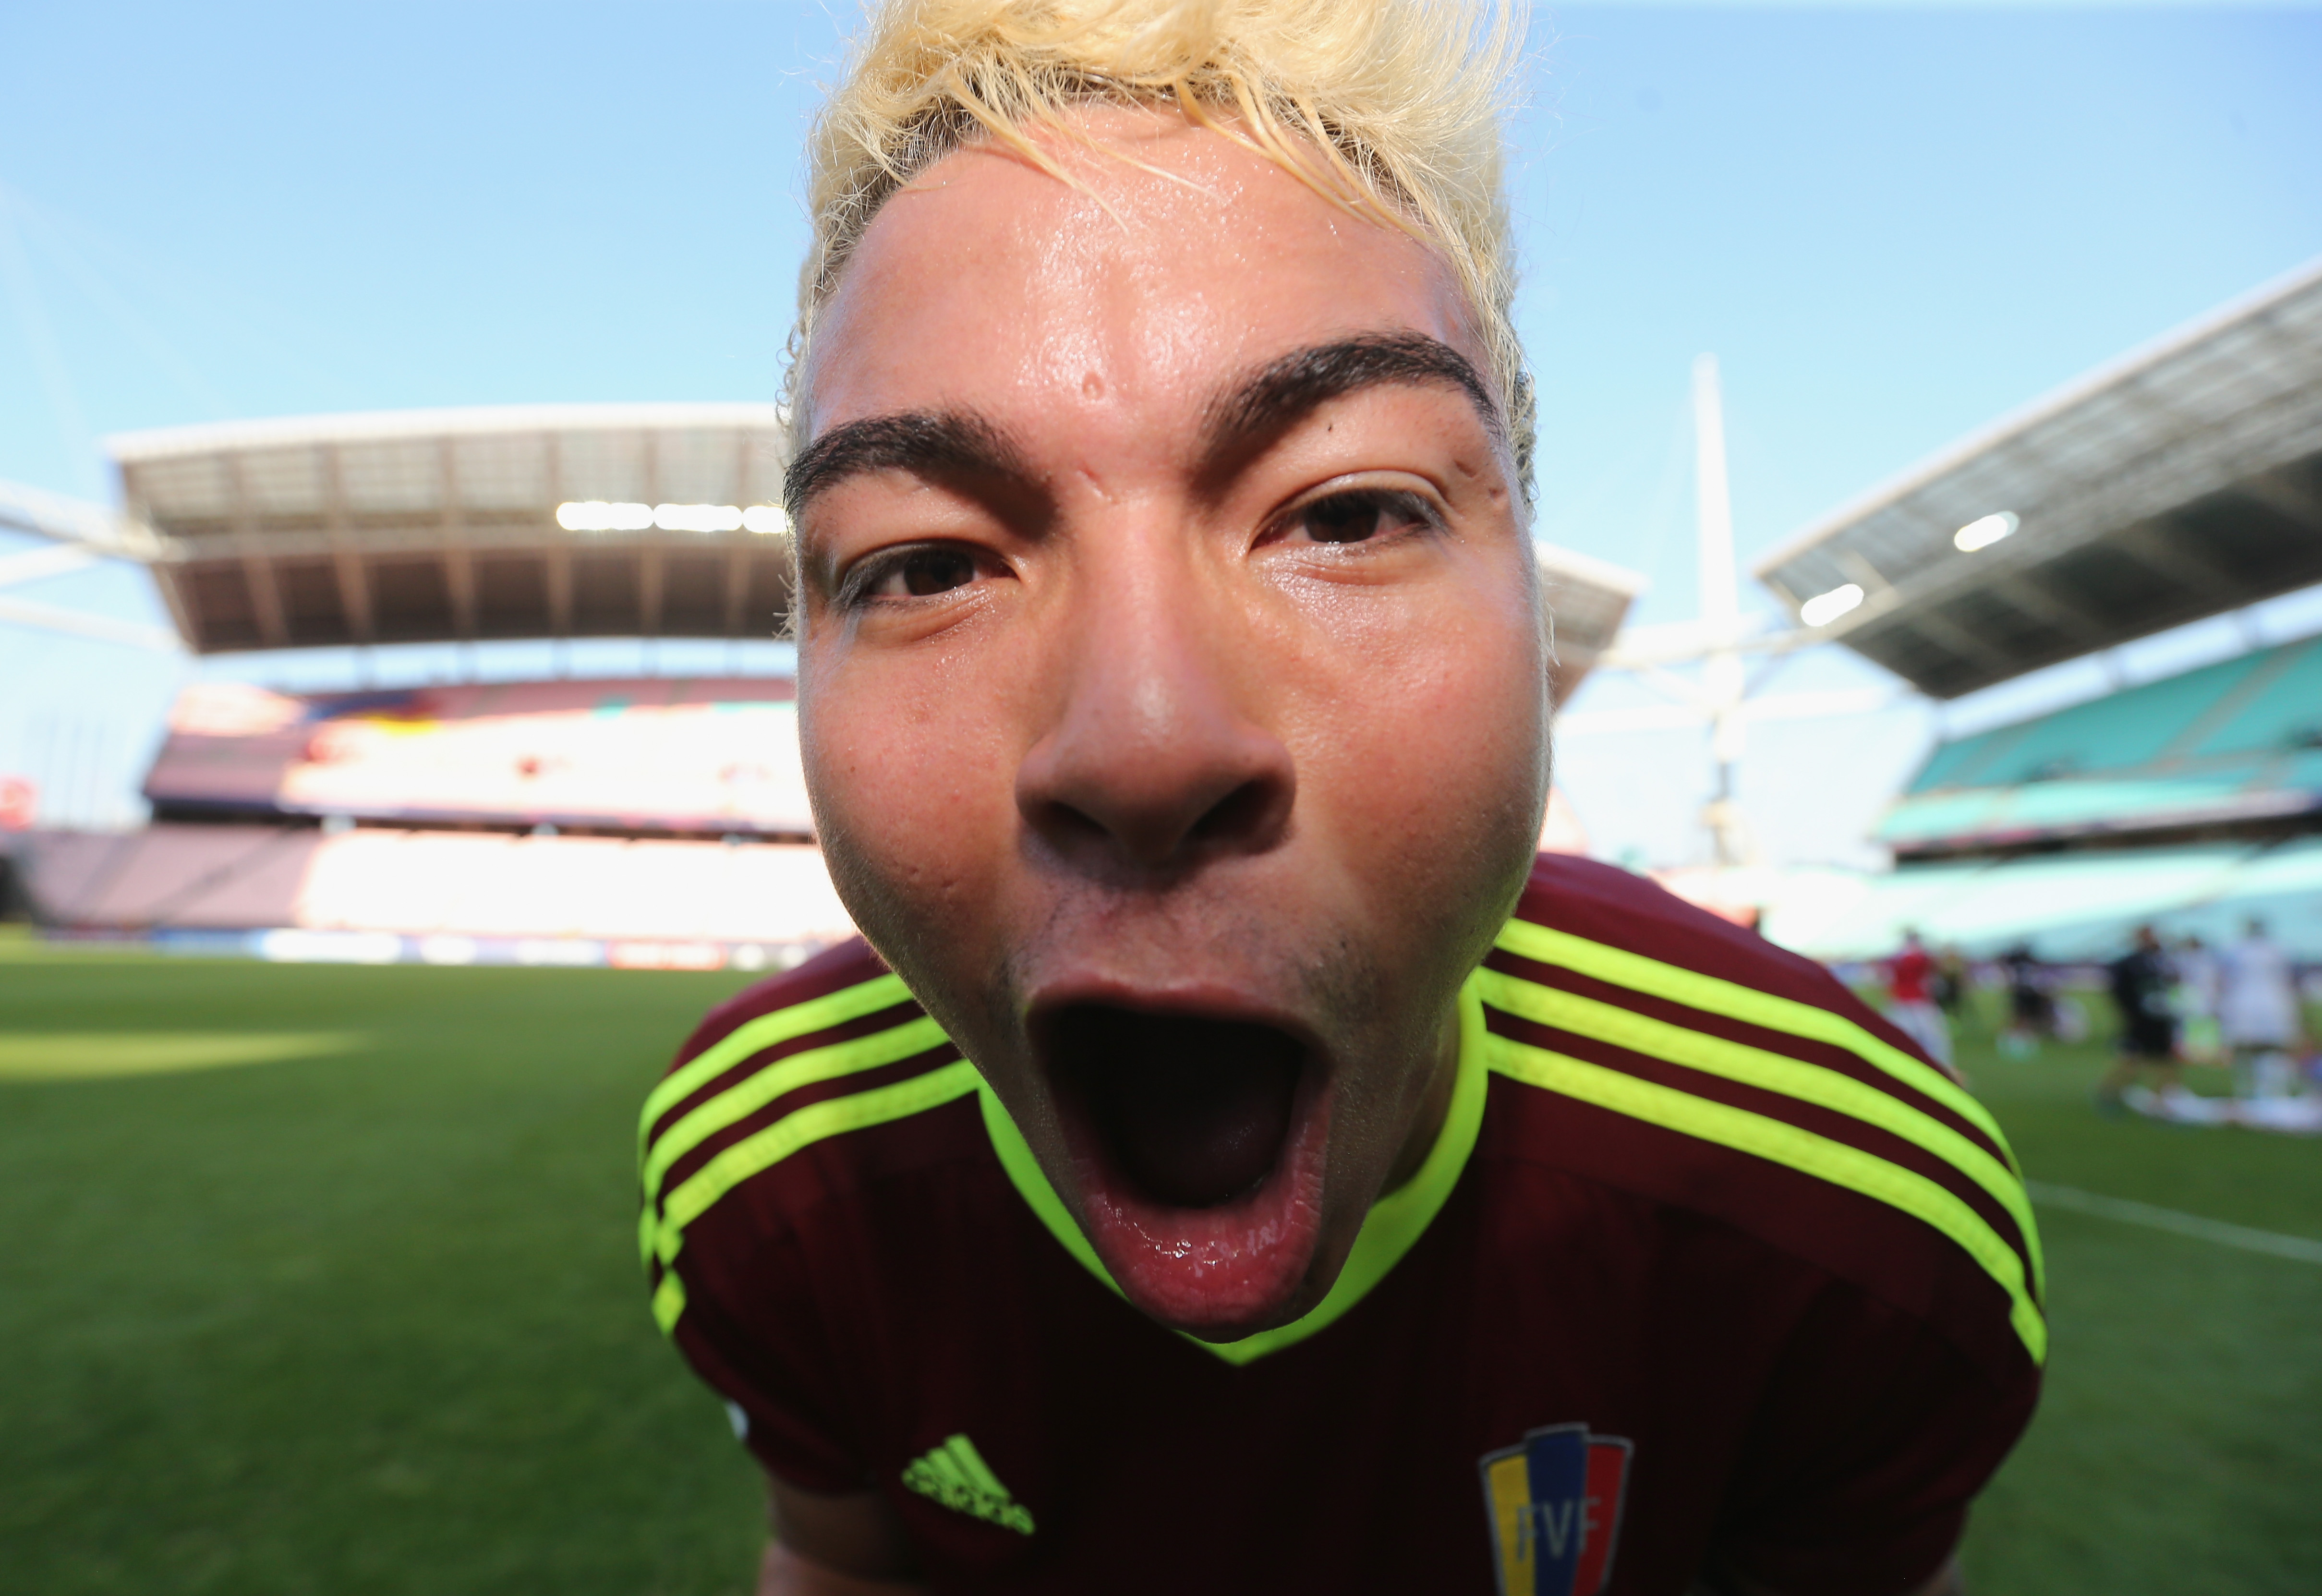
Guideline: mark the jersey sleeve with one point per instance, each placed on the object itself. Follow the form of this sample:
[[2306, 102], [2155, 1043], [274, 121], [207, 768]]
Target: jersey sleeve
[[751, 1331], [729, 1252], [1875, 1435]]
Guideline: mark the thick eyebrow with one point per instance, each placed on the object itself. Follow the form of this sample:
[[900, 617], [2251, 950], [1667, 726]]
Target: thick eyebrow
[[1286, 389], [928, 442], [934, 442]]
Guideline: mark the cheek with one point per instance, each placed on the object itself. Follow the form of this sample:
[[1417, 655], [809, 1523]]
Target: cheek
[[910, 797], [1436, 758]]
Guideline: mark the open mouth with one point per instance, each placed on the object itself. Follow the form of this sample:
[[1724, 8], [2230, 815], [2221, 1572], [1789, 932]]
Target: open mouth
[[1197, 1142], [1192, 1111]]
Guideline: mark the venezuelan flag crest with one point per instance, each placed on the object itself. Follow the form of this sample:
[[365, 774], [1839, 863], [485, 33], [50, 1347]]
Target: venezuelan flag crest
[[1555, 1502]]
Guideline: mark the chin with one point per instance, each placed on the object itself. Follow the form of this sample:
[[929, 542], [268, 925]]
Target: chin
[[1195, 1143]]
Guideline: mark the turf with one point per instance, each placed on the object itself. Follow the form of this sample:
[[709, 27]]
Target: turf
[[2178, 1443], [365, 1321], [340, 1295]]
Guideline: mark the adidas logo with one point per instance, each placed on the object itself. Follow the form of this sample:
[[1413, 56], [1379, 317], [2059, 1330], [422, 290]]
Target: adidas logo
[[955, 1474]]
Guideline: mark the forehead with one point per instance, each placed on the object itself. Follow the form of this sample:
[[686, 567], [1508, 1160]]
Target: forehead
[[1117, 304]]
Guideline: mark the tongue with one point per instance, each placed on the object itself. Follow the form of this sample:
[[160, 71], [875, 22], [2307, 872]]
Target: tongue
[[1193, 1110]]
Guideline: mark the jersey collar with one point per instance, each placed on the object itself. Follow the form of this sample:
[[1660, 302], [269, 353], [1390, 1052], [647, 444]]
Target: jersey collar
[[1394, 1222]]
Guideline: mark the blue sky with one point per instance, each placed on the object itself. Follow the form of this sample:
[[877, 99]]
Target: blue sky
[[1889, 223]]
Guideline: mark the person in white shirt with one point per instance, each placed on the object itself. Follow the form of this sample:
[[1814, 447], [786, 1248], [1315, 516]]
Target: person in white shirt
[[2257, 1010], [2197, 998]]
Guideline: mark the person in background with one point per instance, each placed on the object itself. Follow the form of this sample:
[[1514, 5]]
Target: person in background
[[2141, 980], [2257, 1012], [2031, 1015], [2197, 978], [1911, 1006], [1948, 984]]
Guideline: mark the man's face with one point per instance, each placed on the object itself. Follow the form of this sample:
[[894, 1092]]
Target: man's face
[[1172, 697]]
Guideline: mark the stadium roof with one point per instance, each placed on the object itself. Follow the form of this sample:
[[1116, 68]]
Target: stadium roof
[[454, 526], [2179, 481], [1589, 598], [550, 521]]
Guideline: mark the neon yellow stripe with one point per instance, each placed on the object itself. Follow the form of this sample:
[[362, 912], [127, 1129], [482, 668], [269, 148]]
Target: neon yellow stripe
[[971, 1463], [1620, 968], [753, 1093], [768, 1030], [945, 1467], [1396, 1222], [1787, 1144], [833, 1116], [668, 1301], [1773, 1071], [1024, 1171]]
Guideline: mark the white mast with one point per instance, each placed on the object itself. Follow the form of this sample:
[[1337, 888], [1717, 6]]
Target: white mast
[[1721, 611]]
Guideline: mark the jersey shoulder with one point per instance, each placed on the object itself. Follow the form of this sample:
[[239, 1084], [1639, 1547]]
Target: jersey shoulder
[[1647, 1045], [804, 1087]]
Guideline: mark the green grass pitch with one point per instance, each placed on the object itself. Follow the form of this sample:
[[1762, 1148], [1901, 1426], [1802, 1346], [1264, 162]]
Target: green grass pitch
[[364, 1314]]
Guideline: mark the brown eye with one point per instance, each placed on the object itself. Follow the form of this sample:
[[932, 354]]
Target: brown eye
[[1347, 519], [924, 572], [1358, 517]]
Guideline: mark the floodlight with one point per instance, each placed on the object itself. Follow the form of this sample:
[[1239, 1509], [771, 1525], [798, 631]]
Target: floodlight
[[697, 517], [1984, 531], [596, 515], [766, 520], [1823, 608]]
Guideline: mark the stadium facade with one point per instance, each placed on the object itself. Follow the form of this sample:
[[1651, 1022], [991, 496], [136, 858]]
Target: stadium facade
[[644, 822]]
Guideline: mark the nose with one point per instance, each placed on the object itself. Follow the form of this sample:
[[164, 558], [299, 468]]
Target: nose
[[1157, 757]]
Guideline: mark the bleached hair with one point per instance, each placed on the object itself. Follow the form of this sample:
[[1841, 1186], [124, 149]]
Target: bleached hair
[[1388, 108]]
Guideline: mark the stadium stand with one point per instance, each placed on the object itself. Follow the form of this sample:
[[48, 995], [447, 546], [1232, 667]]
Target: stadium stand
[[278, 811], [2234, 749], [2072, 907], [633, 756], [2190, 803], [644, 821], [512, 898]]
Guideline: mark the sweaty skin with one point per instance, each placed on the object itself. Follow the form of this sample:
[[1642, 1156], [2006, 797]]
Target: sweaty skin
[[1156, 715], [1145, 704], [1117, 701]]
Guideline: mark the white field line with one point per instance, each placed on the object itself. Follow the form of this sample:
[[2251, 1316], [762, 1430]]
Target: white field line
[[2299, 1247]]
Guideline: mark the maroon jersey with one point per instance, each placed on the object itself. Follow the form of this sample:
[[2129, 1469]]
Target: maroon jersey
[[1708, 1271]]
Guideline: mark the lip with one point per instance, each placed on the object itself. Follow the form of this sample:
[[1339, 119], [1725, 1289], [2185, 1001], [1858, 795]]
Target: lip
[[1220, 1271]]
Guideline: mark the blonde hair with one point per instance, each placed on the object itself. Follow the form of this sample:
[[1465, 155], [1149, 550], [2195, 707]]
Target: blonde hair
[[1389, 108]]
